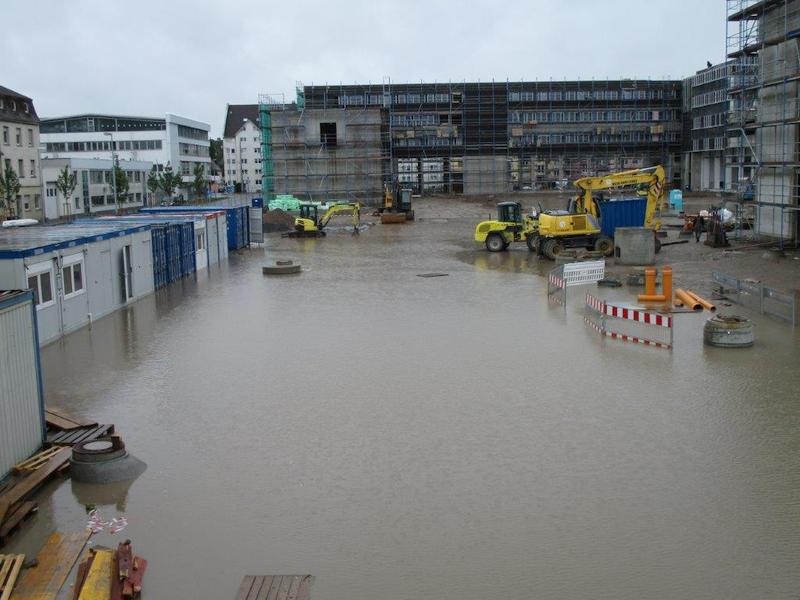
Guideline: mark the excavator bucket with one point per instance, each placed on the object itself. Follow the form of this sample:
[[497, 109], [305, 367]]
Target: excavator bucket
[[388, 218]]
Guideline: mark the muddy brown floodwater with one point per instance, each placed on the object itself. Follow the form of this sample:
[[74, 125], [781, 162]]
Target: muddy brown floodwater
[[450, 437]]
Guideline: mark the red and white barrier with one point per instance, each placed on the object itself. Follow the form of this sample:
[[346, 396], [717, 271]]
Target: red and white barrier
[[629, 324]]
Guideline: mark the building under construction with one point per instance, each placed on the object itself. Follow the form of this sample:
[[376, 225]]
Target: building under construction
[[349, 141], [762, 145]]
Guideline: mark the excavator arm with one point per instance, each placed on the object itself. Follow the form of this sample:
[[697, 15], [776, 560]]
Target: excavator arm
[[652, 177], [352, 208]]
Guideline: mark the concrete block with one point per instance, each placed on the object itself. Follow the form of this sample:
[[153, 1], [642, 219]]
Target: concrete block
[[634, 246]]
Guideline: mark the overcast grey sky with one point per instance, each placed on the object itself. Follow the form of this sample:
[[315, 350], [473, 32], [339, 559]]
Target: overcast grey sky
[[148, 57]]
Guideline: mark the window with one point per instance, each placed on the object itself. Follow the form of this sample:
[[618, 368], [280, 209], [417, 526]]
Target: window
[[36, 199], [33, 168], [20, 168], [200, 241], [40, 280], [327, 134], [6, 135], [98, 200], [30, 137], [19, 136], [72, 275]]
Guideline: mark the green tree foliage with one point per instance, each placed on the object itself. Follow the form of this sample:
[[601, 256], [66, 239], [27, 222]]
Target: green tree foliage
[[65, 184], [119, 184], [216, 154], [199, 184], [169, 181], [9, 189]]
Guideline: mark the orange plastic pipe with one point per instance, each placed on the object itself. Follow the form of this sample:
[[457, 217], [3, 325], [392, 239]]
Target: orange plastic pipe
[[687, 300], [652, 298], [702, 301], [649, 282], [666, 283]]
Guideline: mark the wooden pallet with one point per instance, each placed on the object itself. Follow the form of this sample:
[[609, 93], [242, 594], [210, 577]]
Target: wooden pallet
[[76, 436], [21, 513], [35, 461], [31, 482], [275, 587], [10, 565]]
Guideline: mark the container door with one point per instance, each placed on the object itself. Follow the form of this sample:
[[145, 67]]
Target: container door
[[127, 274], [256, 225]]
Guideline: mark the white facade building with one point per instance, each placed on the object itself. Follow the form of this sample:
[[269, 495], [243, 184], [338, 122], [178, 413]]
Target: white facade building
[[176, 140], [93, 193], [241, 148], [19, 149]]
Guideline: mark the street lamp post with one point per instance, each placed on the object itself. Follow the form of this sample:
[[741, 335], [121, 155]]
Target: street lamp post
[[113, 171]]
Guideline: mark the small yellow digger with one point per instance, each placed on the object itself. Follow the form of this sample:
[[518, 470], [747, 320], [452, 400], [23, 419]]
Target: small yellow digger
[[510, 226], [310, 224]]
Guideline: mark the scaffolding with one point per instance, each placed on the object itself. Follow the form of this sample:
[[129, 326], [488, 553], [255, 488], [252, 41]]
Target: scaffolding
[[762, 149], [348, 141]]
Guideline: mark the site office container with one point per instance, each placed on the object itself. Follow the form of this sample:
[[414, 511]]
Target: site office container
[[22, 426], [78, 273], [237, 220], [174, 255], [622, 213]]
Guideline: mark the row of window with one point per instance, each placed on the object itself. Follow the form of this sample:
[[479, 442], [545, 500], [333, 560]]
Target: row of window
[[192, 133], [244, 171], [21, 168], [97, 176], [710, 143], [428, 140], [585, 95], [590, 116], [415, 120], [91, 124], [386, 99], [232, 161], [40, 279], [713, 120], [707, 98], [193, 150], [102, 146], [12, 104], [17, 136], [103, 199], [587, 137], [715, 74]]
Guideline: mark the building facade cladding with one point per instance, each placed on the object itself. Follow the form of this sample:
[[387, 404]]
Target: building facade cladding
[[19, 150], [705, 136], [505, 136], [176, 140], [93, 193], [242, 155]]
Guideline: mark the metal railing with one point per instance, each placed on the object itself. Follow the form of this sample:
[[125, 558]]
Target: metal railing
[[782, 305]]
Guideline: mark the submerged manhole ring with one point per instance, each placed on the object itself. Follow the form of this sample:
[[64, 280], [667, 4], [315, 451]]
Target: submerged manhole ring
[[98, 450], [98, 446]]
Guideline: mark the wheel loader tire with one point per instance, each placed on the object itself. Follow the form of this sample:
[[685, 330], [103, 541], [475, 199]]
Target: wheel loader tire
[[552, 248], [604, 244], [495, 242], [533, 243]]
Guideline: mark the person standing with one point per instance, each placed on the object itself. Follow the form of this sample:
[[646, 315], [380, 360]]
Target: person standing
[[699, 227]]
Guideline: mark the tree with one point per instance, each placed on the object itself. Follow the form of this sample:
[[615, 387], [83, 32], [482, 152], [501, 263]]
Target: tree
[[216, 154], [199, 184], [9, 189], [65, 184], [152, 182], [169, 181], [119, 184]]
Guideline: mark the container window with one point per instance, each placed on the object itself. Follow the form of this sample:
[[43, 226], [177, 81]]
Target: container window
[[72, 275], [40, 281]]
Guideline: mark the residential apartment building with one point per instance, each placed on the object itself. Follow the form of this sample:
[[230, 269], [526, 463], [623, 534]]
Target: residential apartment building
[[19, 150], [466, 138], [179, 141], [241, 146], [93, 193]]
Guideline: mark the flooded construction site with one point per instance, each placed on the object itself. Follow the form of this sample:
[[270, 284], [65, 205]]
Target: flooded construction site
[[456, 436]]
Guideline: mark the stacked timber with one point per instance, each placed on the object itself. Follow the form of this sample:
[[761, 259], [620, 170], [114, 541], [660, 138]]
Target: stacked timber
[[65, 430], [106, 574], [15, 504]]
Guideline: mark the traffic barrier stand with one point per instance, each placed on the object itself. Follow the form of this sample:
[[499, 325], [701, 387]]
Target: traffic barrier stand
[[571, 274], [629, 324]]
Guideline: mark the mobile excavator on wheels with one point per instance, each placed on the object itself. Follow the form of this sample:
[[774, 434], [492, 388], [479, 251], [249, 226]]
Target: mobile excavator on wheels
[[551, 232], [310, 224]]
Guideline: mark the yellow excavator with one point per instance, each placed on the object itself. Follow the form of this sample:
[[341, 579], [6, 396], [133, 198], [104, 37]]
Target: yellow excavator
[[396, 205], [579, 226], [510, 226], [310, 224]]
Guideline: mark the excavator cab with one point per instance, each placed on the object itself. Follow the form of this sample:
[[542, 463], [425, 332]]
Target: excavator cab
[[310, 212], [509, 212]]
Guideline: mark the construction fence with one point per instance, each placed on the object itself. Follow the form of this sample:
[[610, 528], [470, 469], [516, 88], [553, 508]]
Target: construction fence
[[629, 324]]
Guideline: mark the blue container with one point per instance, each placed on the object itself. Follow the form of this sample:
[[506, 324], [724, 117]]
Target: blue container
[[622, 213], [676, 200], [238, 222], [257, 203]]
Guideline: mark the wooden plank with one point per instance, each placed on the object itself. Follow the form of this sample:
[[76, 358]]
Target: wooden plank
[[266, 584], [98, 581], [274, 587], [80, 577], [32, 482], [245, 586], [137, 573], [116, 584], [20, 513], [56, 560], [124, 557], [8, 580], [293, 587], [283, 590], [304, 592], [6, 561], [63, 420]]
